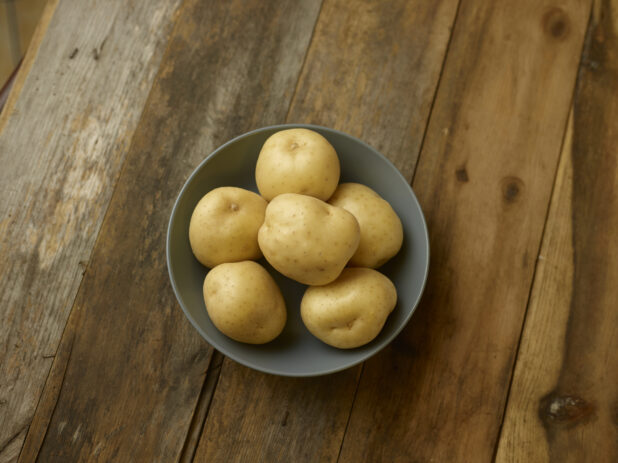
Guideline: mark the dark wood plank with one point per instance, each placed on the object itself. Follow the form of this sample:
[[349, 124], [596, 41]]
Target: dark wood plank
[[63, 136], [484, 180], [372, 70], [259, 417], [563, 404], [135, 367]]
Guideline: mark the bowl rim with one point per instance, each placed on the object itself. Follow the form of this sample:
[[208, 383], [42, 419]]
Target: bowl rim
[[239, 359]]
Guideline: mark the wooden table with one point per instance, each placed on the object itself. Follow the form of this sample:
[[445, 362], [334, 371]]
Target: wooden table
[[503, 115]]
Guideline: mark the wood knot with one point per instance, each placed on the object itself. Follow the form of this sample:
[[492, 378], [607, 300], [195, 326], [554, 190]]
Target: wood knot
[[511, 188], [564, 410], [462, 174], [556, 23]]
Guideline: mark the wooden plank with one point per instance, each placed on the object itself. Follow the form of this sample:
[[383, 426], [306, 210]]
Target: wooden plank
[[8, 44], [257, 414], [28, 59], [28, 16], [259, 417], [381, 86], [129, 384], [563, 404], [61, 147], [484, 180]]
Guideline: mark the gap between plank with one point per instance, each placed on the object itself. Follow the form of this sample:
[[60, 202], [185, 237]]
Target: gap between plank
[[420, 150], [38, 36], [64, 372], [435, 93], [302, 67], [585, 43], [347, 423], [28, 60], [202, 408]]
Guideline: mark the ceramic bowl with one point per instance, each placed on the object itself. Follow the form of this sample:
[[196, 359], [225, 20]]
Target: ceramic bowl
[[296, 352]]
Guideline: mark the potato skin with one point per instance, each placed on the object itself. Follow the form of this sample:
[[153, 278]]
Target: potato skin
[[244, 302], [350, 311], [307, 239], [224, 226], [381, 232], [297, 161]]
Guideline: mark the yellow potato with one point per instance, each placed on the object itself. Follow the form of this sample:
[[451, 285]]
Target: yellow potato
[[244, 302], [224, 226], [350, 311], [297, 161], [306, 239], [381, 233]]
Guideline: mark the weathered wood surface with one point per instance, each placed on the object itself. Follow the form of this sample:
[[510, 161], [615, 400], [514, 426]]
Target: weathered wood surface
[[128, 348], [257, 414], [95, 144], [484, 181], [563, 403], [28, 59], [62, 144], [381, 83]]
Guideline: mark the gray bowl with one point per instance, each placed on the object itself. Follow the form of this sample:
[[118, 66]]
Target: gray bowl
[[296, 352]]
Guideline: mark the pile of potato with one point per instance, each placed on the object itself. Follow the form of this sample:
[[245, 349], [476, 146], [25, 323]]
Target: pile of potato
[[308, 227]]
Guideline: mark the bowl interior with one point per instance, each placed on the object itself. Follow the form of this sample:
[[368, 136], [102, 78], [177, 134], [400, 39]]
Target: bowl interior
[[296, 352]]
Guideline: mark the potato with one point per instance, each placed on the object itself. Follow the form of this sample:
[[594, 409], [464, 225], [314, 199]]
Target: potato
[[297, 161], [307, 239], [244, 302], [350, 311], [381, 233], [224, 226]]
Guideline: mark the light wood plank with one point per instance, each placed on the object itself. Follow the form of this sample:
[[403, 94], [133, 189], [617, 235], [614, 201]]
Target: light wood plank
[[61, 148], [372, 70], [563, 404], [484, 180], [129, 386]]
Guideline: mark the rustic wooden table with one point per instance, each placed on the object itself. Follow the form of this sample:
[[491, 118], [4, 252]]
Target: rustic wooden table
[[502, 115]]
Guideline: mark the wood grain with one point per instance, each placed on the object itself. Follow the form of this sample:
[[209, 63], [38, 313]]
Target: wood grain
[[484, 180], [135, 367], [406, 42], [28, 59], [61, 147], [259, 417], [381, 84], [563, 405]]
